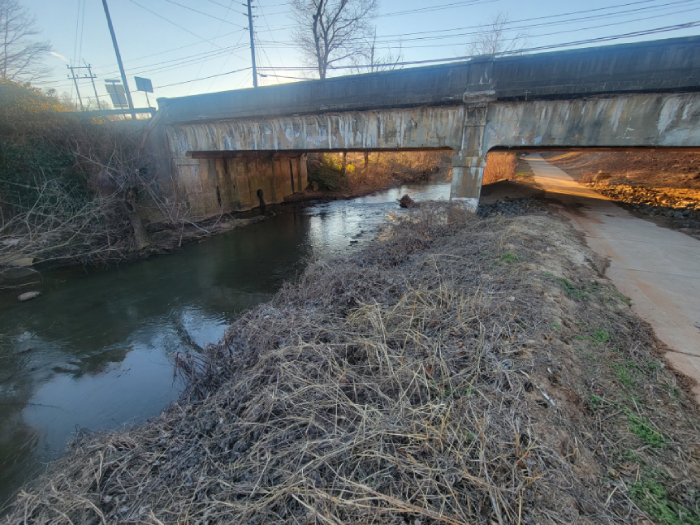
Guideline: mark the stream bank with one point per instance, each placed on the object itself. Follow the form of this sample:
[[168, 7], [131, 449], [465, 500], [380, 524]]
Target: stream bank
[[456, 370], [96, 350]]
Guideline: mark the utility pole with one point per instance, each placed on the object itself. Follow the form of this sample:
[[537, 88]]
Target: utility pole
[[77, 90], [92, 79], [252, 43], [119, 58]]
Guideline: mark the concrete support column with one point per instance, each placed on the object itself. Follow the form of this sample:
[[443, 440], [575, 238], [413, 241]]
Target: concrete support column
[[468, 164], [467, 175]]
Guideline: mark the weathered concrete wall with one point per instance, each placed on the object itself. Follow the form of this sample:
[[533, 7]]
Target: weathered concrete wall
[[654, 120], [649, 120], [425, 127], [661, 65], [643, 94], [222, 184], [223, 157]]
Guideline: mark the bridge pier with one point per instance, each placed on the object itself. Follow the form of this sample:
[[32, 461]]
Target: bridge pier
[[467, 176], [469, 163]]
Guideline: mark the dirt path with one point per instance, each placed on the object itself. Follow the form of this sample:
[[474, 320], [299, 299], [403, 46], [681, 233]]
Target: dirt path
[[657, 268]]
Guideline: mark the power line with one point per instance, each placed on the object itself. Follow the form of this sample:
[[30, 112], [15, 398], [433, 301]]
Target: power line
[[203, 13], [227, 7], [225, 62], [401, 36], [567, 31], [169, 51], [273, 38], [282, 76], [463, 58], [170, 22], [218, 31], [548, 24], [174, 63], [205, 78], [437, 7], [195, 60], [610, 38], [563, 22]]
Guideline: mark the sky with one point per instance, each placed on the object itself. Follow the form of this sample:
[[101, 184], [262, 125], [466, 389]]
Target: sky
[[187, 47]]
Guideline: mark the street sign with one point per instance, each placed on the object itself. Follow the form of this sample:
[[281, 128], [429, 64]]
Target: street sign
[[144, 84], [116, 93]]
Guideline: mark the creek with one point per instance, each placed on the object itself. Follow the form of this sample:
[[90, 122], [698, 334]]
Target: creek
[[96, 350]]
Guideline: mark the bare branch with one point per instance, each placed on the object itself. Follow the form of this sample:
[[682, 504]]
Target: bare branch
[[494, 39], [370, 61], [21, 56], [329, 31]]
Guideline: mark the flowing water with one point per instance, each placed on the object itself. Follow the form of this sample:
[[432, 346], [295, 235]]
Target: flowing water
[[96, 350]]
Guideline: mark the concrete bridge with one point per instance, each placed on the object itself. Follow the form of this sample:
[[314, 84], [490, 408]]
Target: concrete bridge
[[226, 146]]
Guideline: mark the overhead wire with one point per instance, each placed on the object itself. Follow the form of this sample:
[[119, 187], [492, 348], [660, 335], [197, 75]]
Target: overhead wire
[[205, 78], [184, 61], [534, 19], [169, 21], [442, 36], [223, 5], [452, 5], [226, 61], [273, 39], [609, 38], [217, 32], [203, 13]]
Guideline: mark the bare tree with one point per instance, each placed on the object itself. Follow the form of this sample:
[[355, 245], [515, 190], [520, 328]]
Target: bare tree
[[20, 54], [371, 60], [330, 31], [494, 38]]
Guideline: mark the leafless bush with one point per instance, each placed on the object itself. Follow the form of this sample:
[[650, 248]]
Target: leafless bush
[[90, 216], [64, 225]]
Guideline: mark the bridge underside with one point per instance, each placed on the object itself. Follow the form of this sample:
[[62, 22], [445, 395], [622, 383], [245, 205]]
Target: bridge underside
[[239, 156]]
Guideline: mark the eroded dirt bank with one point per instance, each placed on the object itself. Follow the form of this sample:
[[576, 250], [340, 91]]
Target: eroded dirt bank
[[458, 370], [658, 185]]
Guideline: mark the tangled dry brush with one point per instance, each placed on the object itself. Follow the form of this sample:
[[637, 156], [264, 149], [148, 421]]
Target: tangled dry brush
[[438, 376]]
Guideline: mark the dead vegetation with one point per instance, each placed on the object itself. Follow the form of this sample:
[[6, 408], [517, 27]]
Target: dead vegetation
[[503, 165], [376, 170], [70, 186], [458, 370], [663, 186], [660, 169]]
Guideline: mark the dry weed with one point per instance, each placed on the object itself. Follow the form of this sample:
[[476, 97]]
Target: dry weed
[[500, 166], [435, 377]]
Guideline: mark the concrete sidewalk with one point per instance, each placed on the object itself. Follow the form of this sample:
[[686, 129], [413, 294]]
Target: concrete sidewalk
[[657, 268]]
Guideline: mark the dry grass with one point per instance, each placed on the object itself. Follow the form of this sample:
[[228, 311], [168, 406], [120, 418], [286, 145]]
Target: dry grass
[[500, 166], [661, 169], [456, 371], [383, 169]]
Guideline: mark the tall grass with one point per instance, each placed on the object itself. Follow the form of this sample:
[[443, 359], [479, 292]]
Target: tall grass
[[500, 166]]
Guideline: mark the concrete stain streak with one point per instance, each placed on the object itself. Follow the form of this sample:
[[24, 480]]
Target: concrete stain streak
[[471, 130], [416, 128]]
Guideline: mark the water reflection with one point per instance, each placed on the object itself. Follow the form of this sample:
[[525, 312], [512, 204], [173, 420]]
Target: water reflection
[[95, 351]]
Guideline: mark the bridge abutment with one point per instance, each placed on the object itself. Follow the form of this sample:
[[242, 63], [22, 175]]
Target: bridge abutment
[[214, 182]]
